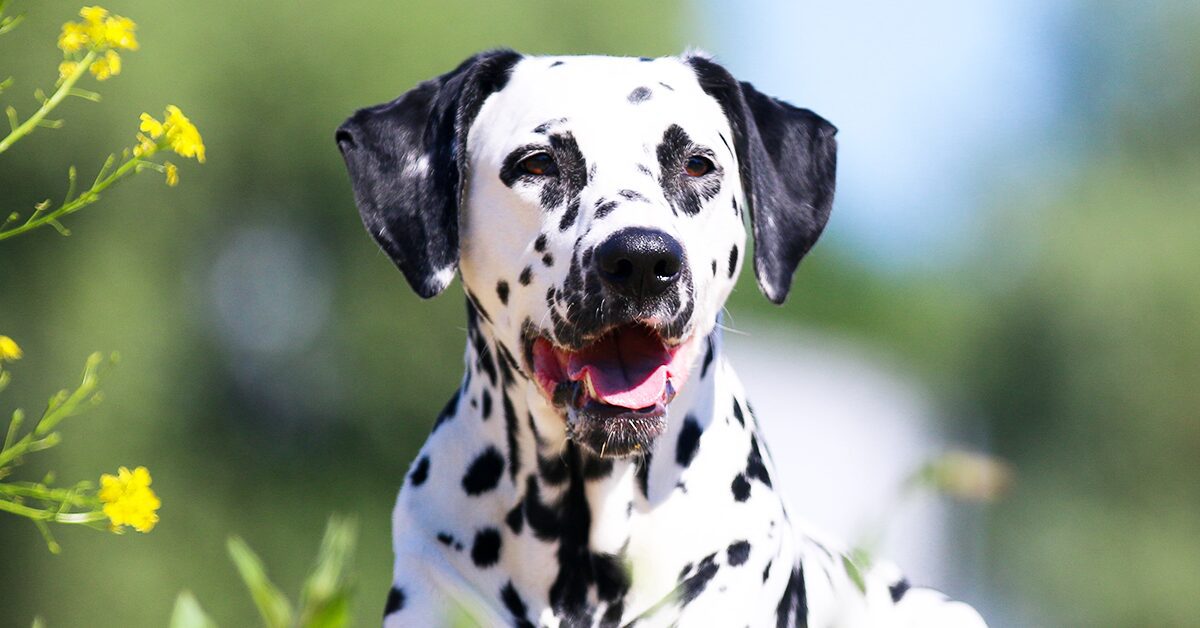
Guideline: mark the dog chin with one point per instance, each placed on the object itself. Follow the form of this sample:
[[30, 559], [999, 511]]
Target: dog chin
[[614, 432]]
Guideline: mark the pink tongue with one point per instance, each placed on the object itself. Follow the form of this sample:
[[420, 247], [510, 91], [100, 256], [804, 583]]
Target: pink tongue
[[628, 368]]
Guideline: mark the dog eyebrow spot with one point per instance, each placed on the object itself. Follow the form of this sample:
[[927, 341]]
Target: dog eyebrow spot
[[604, 208], [640, 95], [542, 128], [633, 195], [642, 168], [666, 86], [526, 276]]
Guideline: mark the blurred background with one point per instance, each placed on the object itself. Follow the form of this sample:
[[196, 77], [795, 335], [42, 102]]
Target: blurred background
[[1011, 265]]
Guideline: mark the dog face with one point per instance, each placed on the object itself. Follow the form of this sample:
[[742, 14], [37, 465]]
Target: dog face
[[594, 206]]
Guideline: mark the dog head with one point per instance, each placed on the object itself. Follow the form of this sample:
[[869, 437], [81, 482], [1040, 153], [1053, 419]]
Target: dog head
[[594, 206]]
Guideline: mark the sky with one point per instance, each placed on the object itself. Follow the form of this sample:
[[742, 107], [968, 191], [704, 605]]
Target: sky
[[930, 96]]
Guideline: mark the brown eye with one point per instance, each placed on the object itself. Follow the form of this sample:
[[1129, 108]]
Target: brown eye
[[539, 164], [698, 166]]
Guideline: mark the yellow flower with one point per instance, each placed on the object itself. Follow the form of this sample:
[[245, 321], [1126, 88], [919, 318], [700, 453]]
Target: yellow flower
[[145, 146], [107, 66], [66, 68], [94, 15], [9, 351], [118, 33], [73, 37], [128, 499], [172, 174], [151, 126], [183, 136]]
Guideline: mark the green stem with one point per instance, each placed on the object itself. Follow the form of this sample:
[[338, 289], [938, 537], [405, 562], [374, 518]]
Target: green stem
[[38, 514], [83, 200], [61, 93], [59, 495]]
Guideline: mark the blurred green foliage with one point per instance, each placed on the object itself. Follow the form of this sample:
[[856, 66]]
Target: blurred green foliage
[[1072, 333]]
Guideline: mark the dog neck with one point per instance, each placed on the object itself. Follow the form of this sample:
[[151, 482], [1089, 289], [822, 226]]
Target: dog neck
[[623, 532]]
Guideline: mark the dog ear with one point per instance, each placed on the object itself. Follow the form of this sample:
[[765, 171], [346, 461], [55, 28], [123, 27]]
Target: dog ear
[[407, 162], [787, 160]]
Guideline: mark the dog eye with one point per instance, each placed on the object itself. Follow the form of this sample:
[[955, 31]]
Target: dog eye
[[698, 166], [539, 164]]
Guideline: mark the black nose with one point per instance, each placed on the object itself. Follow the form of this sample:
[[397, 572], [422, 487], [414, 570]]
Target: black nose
[[638, 262]]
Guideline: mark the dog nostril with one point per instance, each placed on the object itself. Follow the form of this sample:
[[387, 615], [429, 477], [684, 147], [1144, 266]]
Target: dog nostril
[[624, 269]]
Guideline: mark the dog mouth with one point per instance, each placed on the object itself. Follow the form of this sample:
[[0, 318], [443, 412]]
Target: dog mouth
[[616, 388]]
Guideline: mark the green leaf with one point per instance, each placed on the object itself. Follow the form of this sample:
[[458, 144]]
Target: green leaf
[[324, 601], [188, 614], [272, 605], [855, 574]]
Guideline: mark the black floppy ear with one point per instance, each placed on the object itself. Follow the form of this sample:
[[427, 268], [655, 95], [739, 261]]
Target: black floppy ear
[[788, 161], [407, 161]]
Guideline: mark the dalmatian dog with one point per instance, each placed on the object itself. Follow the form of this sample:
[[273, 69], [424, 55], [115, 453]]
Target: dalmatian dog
[[599, 465]]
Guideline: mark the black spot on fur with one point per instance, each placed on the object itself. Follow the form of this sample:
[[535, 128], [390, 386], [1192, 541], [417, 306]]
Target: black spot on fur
[[542, 519], [571, 177], [395, 601], [767, 570], [548, 260], [689, 441], [640, 95], [740, 487], [737, 553], [666, 86], [595, 467], [685, 193], [448, 410], [714, 268], [553, 469], [733, 257], [709, 353], [696, 583], [420, 472], [793, 606], [633, 195], [445, 538], [487, 405], [556, 64], [645, 59], [899, 589], [484, 473], [515, 519], [539, 244], [513, 602], [612, 577], [737, 413], [612, 616], [683, 573], [502, 292], [527, 276], [510, 427], [755, 468], [643, 473], [604, 208], [485, 551], [644, 169]]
